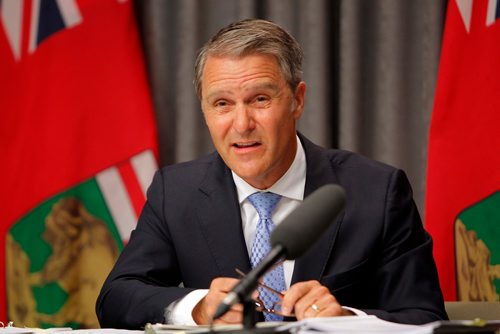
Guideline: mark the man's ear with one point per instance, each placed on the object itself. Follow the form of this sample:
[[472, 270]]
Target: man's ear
[[299, 99]]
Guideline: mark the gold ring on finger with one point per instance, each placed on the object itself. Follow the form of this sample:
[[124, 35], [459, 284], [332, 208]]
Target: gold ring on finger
[[315, 308]]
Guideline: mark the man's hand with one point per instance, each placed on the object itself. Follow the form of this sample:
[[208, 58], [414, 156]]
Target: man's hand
[[311, 299], [204, 311]]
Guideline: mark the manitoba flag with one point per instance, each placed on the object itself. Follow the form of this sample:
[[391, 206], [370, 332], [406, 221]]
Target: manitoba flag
[[78, 150], [463, 176]]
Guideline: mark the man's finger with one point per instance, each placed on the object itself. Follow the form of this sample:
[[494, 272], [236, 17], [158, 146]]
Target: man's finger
[[299, 297], [310, 299], [231, 317], [205, 309]]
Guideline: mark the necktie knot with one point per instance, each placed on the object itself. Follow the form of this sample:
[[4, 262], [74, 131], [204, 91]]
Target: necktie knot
[[264, 203]]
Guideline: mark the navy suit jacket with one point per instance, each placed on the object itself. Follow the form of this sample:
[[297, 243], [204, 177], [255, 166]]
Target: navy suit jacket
[[375, 257]]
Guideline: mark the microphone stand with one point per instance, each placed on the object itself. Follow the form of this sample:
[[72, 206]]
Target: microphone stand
[[249, 283], [244, 293], [249, 314], [249, 322]]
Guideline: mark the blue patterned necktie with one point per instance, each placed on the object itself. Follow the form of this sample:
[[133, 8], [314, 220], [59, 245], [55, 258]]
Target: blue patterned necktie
[[265, 203]]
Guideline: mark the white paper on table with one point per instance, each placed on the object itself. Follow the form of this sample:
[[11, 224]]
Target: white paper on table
[[354, 324]]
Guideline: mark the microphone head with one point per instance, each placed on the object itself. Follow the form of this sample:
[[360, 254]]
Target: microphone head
[[303, 226]]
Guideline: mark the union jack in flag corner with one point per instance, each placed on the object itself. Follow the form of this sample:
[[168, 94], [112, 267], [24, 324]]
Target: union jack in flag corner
[[463, 174], [79, 150]]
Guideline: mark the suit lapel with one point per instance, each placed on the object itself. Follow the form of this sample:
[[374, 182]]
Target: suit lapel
[[311, 265], [220, 220]]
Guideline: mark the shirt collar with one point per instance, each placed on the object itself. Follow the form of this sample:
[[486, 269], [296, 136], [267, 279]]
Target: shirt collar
[[291, 184]]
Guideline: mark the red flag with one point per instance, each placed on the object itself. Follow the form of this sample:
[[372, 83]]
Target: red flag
[[463, 177], [78, 143]]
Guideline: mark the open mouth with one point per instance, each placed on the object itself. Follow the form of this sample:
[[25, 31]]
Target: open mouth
[[246, 145]]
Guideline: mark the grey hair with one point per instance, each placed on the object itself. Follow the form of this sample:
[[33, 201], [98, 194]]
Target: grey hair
[[253, 36]]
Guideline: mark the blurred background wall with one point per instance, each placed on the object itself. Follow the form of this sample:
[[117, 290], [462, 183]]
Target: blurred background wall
[[370, 68]]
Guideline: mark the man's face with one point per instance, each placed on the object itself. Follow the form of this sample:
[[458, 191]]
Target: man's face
[[251, 113]]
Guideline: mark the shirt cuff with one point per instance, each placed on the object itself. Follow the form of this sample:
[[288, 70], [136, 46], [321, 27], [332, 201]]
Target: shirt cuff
[[180, 311], [354, 310]]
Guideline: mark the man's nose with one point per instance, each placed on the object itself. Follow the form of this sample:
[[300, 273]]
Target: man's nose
[[243, 119]]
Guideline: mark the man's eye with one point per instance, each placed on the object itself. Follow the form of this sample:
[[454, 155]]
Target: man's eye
[[262, 99], [221, 103]]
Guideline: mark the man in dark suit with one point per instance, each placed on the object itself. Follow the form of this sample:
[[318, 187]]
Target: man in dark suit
[[199, 222]]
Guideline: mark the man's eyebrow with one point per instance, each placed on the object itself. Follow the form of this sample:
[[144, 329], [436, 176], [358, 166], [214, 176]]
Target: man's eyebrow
[[217, 92], [265, 85]]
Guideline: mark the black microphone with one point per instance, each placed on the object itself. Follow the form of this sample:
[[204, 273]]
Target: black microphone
[[290, 239]]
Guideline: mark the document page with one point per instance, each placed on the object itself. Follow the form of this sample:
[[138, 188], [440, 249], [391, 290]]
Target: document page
[[359, 324], [370, 324]]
